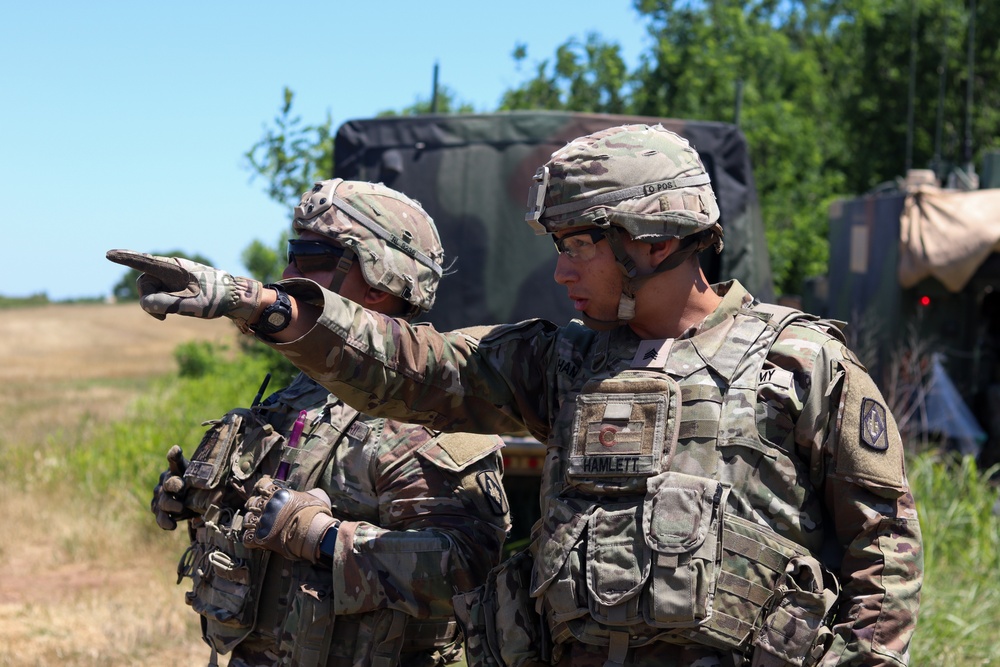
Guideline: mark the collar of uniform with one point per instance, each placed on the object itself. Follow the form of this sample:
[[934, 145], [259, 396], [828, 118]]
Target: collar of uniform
[[710, 336]]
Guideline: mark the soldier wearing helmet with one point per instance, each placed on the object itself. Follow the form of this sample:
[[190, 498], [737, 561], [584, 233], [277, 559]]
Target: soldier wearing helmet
[[724, 484], [321, 535]]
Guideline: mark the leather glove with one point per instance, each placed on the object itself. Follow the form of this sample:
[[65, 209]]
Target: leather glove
[[168, 495], [175, 285], [291, 523]]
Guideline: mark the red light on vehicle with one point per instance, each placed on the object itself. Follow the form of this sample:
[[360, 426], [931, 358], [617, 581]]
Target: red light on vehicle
[[925, 301]]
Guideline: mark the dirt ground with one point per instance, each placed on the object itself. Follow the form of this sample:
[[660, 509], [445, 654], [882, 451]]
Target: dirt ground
[[76, 586]]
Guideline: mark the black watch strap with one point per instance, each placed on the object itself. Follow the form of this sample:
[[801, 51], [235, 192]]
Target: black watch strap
[[327, 545], [275, 317]]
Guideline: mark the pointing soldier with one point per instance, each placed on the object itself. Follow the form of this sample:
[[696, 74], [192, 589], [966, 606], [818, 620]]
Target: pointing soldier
[[323, 536], [723, 483]]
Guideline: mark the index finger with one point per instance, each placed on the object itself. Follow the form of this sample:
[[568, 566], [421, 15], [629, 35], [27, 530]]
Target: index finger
[[167, 271]]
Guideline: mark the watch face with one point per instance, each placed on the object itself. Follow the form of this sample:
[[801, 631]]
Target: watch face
[[276, 319]]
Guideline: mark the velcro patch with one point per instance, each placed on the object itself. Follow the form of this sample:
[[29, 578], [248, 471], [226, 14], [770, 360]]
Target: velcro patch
[[652, 353], [359, 431], [868, 447], [778, 377]]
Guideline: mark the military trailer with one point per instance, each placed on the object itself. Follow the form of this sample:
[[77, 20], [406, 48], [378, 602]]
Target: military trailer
[[472, 174], [917, 270]]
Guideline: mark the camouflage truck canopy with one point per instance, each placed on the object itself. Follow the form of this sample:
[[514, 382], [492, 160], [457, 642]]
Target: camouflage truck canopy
[[919, 269], [472, 174]]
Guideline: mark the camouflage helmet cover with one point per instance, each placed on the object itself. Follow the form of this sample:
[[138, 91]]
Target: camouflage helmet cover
[[644, 179], [394, 239]]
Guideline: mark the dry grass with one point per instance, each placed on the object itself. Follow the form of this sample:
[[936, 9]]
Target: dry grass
[[79, 585]]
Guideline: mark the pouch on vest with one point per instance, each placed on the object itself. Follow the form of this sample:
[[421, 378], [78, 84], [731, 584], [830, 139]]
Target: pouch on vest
[[311, 621], [623, 428], [682, 526], [795, 633], [224, 577], [617, 563], [224, 452], [499, 621]]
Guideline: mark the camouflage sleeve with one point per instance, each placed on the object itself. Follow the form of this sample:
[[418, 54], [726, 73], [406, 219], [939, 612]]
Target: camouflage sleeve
[[443, 519], [451, 381], [858, 464]]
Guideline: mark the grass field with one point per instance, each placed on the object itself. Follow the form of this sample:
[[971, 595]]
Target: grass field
[[83, 582], [90, 403]]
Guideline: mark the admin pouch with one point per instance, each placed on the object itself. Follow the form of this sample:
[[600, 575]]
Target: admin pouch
[[499, 621], [224, 574]]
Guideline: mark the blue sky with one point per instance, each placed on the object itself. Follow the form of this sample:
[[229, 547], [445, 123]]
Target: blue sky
[[124, 124]]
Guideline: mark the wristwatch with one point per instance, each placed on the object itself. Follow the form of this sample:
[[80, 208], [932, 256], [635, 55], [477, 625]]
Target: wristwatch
[[275, 317]]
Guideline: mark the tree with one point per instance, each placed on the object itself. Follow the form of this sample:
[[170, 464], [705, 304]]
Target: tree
[[291, 155], [447, 102], [586, 76]]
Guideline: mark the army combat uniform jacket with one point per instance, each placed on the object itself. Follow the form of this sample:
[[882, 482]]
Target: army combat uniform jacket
[[684, 480], [423, 517]]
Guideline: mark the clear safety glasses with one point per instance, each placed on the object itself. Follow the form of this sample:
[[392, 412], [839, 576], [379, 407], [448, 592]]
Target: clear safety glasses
[[581, 245]]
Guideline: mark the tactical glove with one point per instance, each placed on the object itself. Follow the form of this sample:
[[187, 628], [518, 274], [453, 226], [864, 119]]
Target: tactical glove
[[175, 285], [168, 495], [291, 523]]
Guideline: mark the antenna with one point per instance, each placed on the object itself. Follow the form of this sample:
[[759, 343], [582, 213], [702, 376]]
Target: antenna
[[434, 91], [967, 154]]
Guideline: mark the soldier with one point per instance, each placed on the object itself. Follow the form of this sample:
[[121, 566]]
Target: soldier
[[320, 535], [723, 483]]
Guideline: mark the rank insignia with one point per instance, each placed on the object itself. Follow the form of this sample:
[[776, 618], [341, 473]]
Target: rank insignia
[[873, 425]]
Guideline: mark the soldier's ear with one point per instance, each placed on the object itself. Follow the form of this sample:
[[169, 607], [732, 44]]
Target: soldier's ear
[[659, 250], [384, 302]]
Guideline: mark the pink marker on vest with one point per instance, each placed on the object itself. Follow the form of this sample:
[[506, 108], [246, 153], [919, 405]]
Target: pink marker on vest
[[293, 442]]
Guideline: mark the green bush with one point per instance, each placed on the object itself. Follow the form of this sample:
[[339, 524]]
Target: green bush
[[197, 358], [128, 455]]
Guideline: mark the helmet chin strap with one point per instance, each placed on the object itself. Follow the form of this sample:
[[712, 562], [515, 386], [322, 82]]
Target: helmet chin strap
[[632, 283], [343, 268]]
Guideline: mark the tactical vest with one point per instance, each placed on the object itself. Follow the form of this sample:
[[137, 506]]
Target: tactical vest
[[657, 523], [229, 581]]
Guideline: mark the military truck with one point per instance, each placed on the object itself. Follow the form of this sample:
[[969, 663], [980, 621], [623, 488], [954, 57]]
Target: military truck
[[472, 174], [915, 269]]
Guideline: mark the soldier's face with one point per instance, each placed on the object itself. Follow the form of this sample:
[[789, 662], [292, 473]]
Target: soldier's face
[[591, 278]]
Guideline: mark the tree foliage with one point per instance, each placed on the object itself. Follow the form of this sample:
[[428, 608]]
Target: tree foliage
[[835, 97], [820, 88], [292, 155]]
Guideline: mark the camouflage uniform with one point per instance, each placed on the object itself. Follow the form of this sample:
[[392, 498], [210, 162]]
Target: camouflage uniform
[[735, 494], [422, 516]]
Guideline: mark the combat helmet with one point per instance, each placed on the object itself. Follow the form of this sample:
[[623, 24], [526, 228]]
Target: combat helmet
[[644, 180], [390, 235]]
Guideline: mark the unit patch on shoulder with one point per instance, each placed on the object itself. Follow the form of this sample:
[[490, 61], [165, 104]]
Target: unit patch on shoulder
[[873, 427], [493, 490], [868, 448]]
